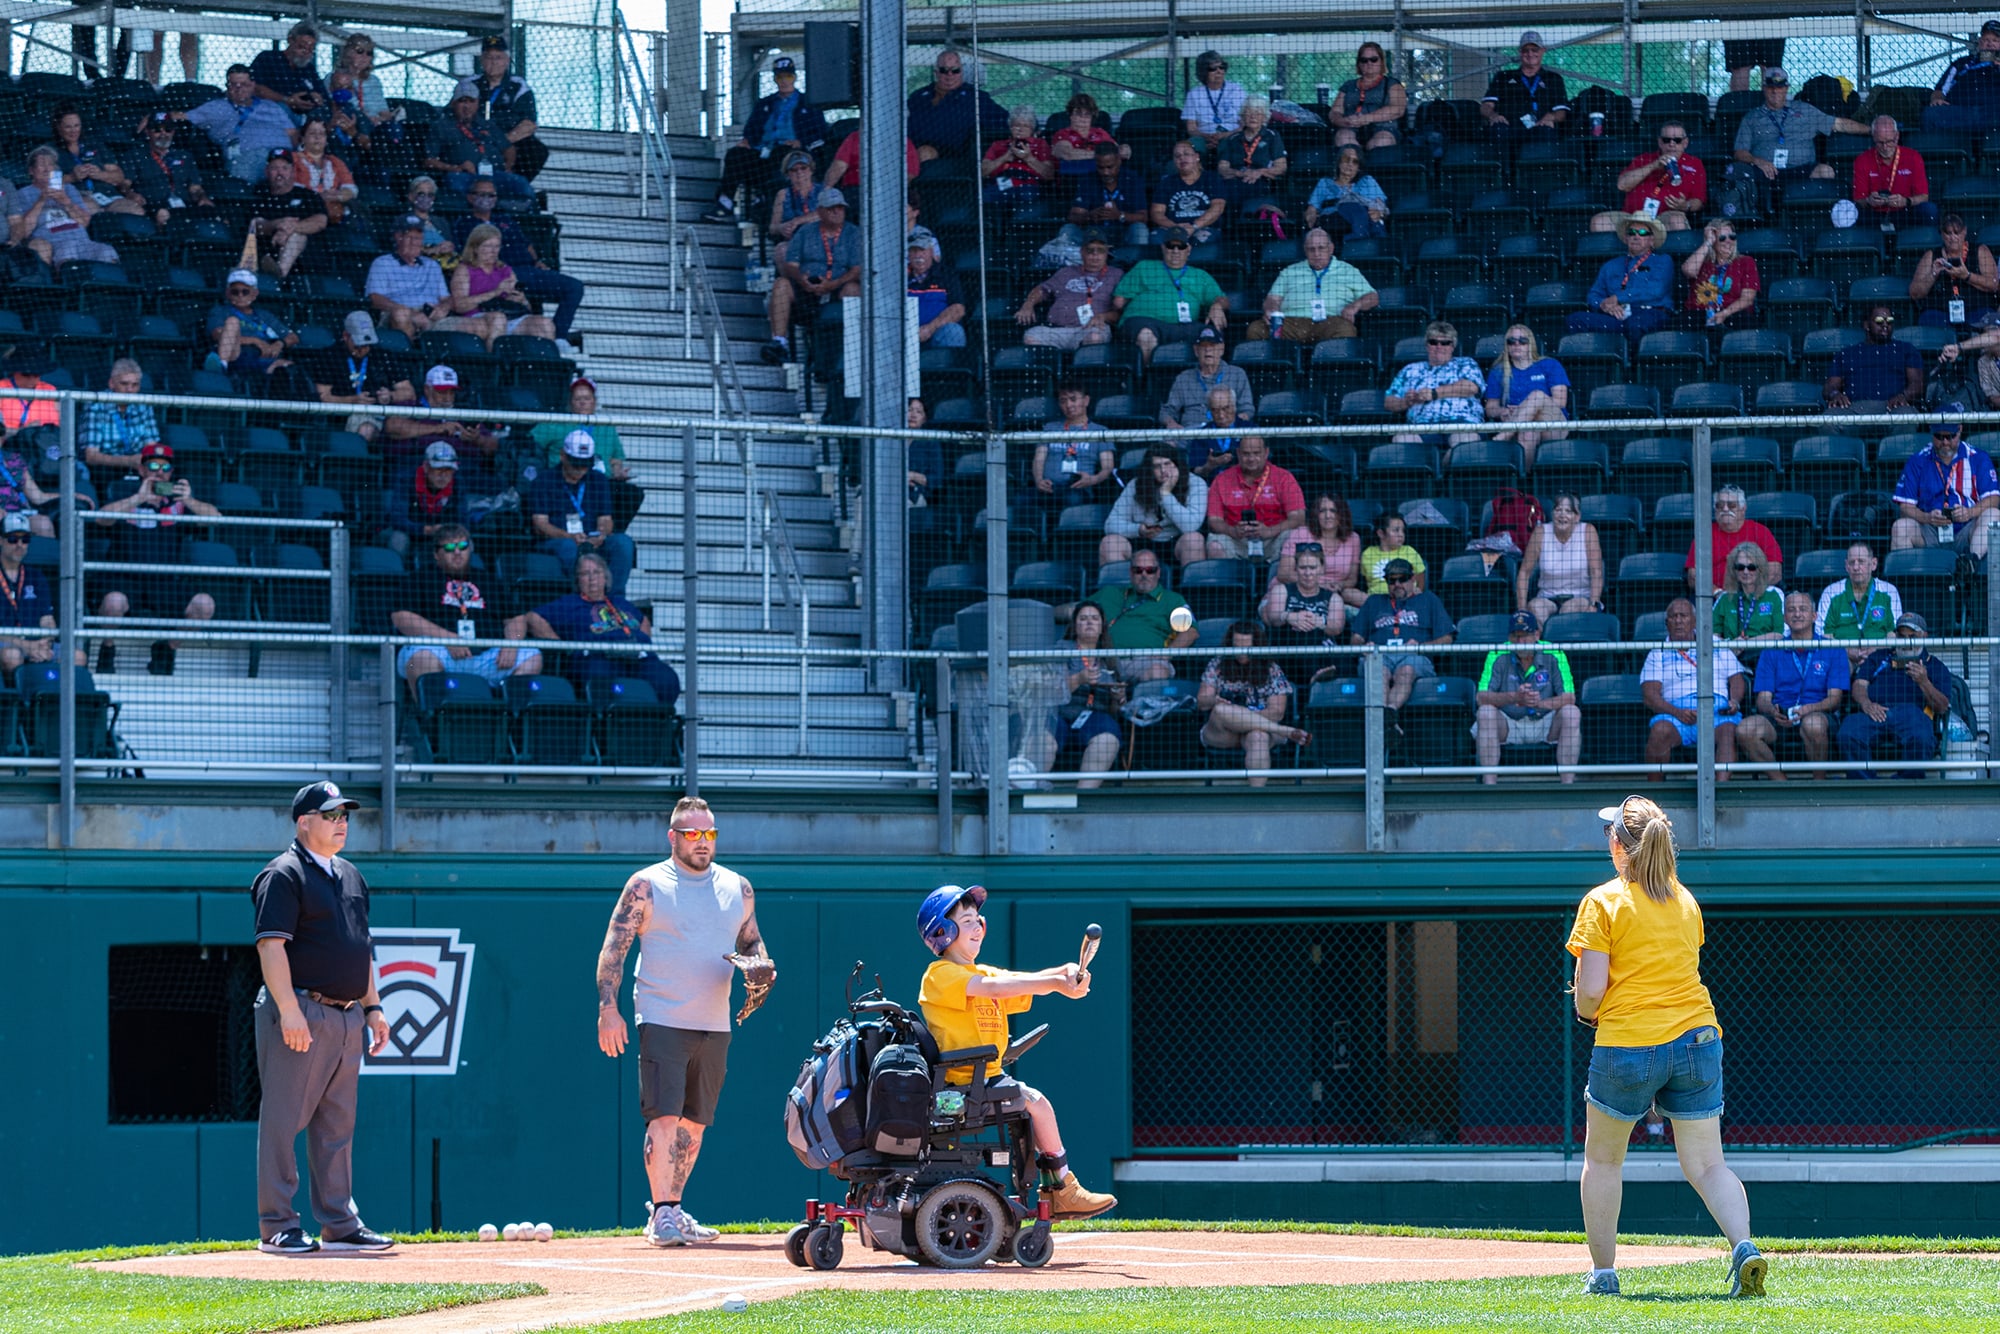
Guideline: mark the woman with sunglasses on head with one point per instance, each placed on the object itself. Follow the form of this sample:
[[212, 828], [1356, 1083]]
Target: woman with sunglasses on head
[[1372, 104], [1306, 612], [1563, 552], [1637, 941], [1722, 280], [1329, 525], [1522, 385]]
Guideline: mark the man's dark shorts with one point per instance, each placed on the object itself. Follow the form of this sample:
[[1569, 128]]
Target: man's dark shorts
[[680, 1072]]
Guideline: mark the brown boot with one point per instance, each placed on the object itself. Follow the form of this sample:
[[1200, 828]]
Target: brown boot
[[1071, 1200]]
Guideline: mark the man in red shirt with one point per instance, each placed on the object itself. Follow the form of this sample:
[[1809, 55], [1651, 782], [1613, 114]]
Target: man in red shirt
[[1669, 184], [1731, 529], [1252, 505], [1890, 186], [846, 163]]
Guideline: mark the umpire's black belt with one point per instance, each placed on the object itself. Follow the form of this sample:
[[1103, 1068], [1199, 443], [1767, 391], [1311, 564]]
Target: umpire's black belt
[[326, 1000]]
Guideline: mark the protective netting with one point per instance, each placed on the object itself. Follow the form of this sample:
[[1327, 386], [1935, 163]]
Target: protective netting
[[182, 1044]]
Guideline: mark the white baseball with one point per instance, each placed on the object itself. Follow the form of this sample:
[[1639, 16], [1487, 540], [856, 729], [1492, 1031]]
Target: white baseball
[[735, 1301], [512, 1232], [525, 1232], [487, 1232], [545, 1232], [1181, 619]]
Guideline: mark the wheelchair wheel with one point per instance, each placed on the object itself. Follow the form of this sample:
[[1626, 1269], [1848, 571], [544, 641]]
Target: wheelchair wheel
[[795, 1244], [1034, 1246], [960, 1224], [824, 1245]]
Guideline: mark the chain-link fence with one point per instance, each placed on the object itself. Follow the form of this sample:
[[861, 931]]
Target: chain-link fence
[[1328, 1032]]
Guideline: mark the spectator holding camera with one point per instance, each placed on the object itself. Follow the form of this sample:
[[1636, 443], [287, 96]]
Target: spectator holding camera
[[1898, 692], [1956, 282]]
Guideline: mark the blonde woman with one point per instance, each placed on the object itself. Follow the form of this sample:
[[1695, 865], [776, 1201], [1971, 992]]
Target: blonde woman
[[1524, 386], [1749, 608], [487, 296], [1637, 942]]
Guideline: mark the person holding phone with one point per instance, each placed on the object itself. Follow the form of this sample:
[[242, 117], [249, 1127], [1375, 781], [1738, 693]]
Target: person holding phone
[[152, 537], [1957, 282]]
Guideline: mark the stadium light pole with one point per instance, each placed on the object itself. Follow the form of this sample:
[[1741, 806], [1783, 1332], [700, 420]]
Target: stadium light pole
[[885, 391]]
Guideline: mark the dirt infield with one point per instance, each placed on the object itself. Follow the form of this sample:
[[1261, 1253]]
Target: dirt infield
[[601, 1279]]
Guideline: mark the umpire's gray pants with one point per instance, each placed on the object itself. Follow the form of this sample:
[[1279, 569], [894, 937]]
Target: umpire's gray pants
[[314, 1091]]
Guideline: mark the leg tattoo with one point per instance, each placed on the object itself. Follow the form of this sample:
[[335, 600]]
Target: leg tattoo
[[687, 1144]]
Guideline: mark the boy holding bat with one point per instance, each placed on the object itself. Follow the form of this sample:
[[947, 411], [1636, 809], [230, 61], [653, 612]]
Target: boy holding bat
[[966, 1004]]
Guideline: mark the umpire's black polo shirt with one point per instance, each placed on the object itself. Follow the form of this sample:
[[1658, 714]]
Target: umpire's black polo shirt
[[322, 919]]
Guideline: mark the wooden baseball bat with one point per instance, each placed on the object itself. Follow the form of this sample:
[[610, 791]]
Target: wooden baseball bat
[[1092, 936]]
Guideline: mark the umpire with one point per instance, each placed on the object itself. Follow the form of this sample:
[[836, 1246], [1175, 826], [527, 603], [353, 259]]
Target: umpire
[[319, 990]]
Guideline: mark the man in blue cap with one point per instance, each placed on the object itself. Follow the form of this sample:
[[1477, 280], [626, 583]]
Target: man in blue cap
[[1527, 698], [1948, 495]]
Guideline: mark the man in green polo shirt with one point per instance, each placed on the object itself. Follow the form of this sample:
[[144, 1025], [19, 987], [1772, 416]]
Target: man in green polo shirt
[[1137, 618], [1315, 299], [1859, 606], [1168, 300]]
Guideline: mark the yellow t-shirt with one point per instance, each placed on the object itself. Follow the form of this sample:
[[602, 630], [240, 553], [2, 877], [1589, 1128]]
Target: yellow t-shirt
[[1655, 994], [1374, 558], [959, 1021]]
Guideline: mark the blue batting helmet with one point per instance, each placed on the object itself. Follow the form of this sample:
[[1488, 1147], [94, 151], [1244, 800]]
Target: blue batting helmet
[[934, 922]]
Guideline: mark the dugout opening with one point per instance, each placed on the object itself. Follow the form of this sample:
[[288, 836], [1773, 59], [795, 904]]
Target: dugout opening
[[182, 1045]]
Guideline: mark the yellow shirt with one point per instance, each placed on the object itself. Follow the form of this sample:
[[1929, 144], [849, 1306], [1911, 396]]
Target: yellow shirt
[[1374, 558], [1655, 994], [959, 1021]]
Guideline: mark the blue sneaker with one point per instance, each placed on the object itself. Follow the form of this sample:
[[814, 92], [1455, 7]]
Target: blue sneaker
[[662, 1228], [1600, 1283], [1747, 1266]]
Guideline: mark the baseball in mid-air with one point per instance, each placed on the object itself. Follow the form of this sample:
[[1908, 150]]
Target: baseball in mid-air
[[1181, 619]]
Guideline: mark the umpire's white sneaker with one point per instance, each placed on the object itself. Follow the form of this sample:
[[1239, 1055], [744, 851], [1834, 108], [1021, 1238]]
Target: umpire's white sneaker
[[663, 1228], [690, 1228]]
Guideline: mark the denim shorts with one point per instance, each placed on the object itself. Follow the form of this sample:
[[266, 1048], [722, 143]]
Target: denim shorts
[[1683, 1078]]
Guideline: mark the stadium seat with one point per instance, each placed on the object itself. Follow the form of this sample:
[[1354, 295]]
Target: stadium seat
[[1669, 359], [1821, 346], [1323, 465], [1792, 517], [1790, 398], [40, 687], [1269, 364], [1339, 366], [1751, 357], [1077, 532], [1125, 412], [1892, 292], [1619, 521], [1363, 407], [283, 599], [1777, 255], [1335, 714], [1395, 470], [634, 729], [947, 590], [1894, 453], [1476, 308], [1586, 627], [1670, 527], [1615, 714], [1592, 361], [1797, 306], [1708, 399], [1055, 582], [1437, 718], [1843, 256], [1476, 469], [1927, 577], [550, 725], [1436, 542], [1753, 462], [1811, 571], [458, 720], [1861, 516], [1580, 464], [1611, 401], [1217, 588], [1488, 628], [1546, 308], [1291, 408], [1647, 581], [1118, 574], [1469, 587], [1022, 372]]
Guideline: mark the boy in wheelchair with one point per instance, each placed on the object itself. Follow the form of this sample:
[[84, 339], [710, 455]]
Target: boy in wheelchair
[[966, 1003]]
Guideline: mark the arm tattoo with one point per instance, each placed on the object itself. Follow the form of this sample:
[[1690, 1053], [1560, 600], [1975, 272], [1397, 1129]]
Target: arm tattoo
[[749, 940], [628, 919]]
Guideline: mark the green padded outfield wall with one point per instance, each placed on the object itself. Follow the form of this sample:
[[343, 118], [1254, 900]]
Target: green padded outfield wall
[[536, 1123]]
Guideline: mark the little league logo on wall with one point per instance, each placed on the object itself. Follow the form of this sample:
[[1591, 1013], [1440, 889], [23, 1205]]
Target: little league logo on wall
[[423, 977]]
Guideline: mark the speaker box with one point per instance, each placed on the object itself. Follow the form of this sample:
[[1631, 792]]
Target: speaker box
[[833, 64]]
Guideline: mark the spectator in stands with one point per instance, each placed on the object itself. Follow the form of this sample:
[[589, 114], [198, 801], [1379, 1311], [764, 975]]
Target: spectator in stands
[[536, 278], [594, 615], [1750, 608], [940, 305], [352, 372], [486, 293], [1670, 184], [1732, 527], [1329, 526], [1442, 389], [477, 443], [446, 602], [1527, 698], [1402, 617], [1190, 197], [1900, 693], [249, 340], [1527, 101], [1739, 58], [370, 109], [1316, 298], [846, 162], [1168, 300], [1017, 165], [165, 501], [1253, 157], [244, 126], [290, 77], [1967, 97], [1949, 496], [1252, 505], [951, 117], [1245, 700], [112, 434], [1188, 403], [782, 125], [424, 500], [1305, 611], [319, 171], [1210, 454], [25, 366], [507, 103], [1522, 385], [89, 165], [1879, 375], [821, 264], [1214, 104], [1088, 723], [1074, 472], [1778, 137], [924, 466], [421, 197], [1989, 357], [406, 288], [1563, 551], [1859, 606], [1372, 104], [610, 452], [1955, 283], [284, 214], [1722, 281], [1112, 199], [1391, 543], [1668, 685], [1138, 618], [1891, 186], [27, 599], [1164, 508], [1350, 195], [164, 178], [571, 512], [1798, 692], [19, 492], [464, 148], [1076, 144], [1080, 300], [1633, 295], [797, 205], [51, 217]]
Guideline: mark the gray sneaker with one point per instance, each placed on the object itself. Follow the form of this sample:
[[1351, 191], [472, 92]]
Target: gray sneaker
[[1600, 1283], [1747, 1267], [663, 1228], [691, 1228]]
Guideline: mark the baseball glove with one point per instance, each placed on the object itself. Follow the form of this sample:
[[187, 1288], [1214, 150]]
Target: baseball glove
[[758, 974]]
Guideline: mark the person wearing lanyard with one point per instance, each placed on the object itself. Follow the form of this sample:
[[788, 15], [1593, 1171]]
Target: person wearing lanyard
[[1799, 691], [165, 178], [26, 602], [1527, 102], [1634, 295], [1251, 159], [1956, 284], [820, 263], [464, 146], [1890, 184], [1669, 687], [18, 492], [1213, 107], [1187, 402], [1948, 494], [1110, 200], [1776, 139], [24, 368], [1080, 297], [243, 125], [351, 373], [1338, 293], [780, 121], [1859, 606], [571, 511], [113, 433], [1073, 472], [507, 103]]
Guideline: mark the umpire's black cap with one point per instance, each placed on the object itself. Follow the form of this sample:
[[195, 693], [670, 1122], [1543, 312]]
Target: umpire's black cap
[[322, 797]]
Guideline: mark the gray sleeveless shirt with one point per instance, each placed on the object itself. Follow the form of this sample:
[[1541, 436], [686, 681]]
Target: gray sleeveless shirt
[[682, 979]]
